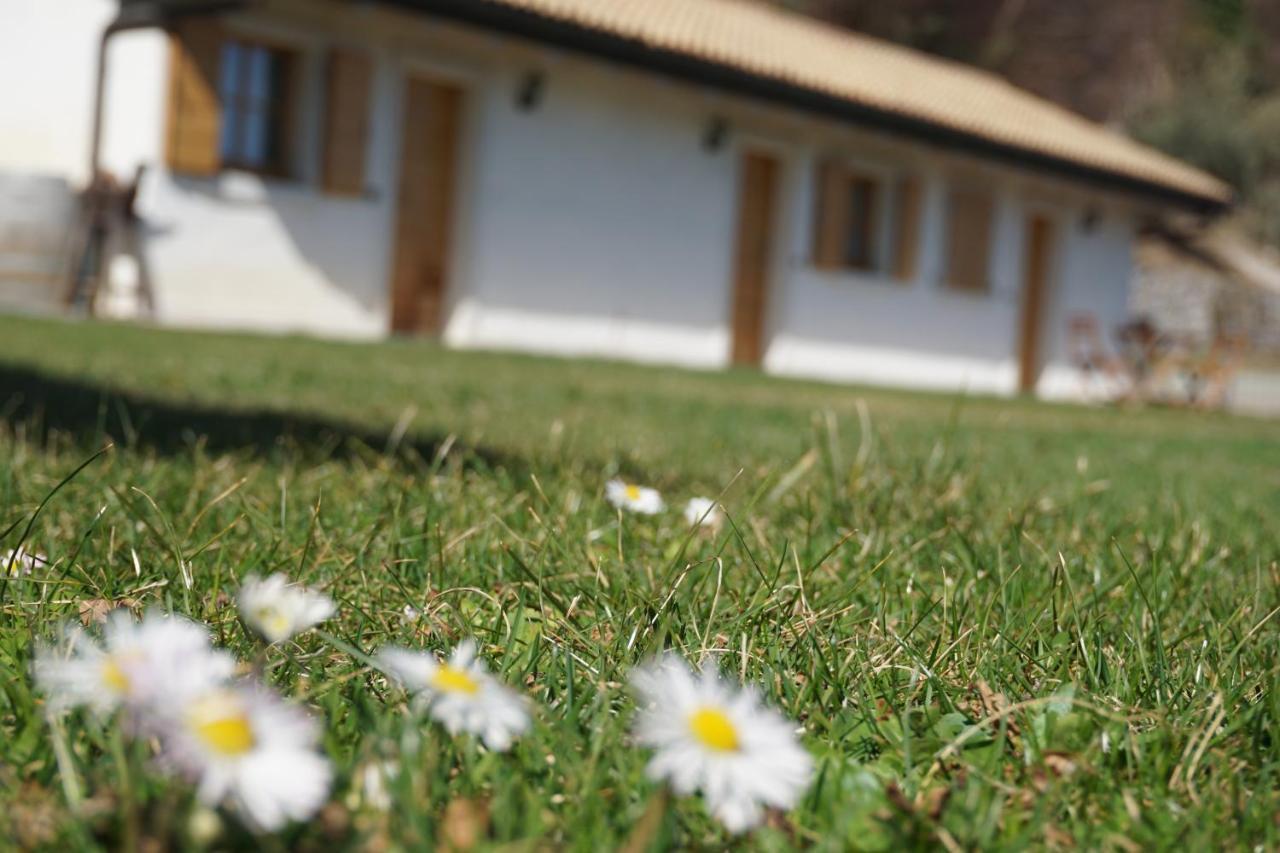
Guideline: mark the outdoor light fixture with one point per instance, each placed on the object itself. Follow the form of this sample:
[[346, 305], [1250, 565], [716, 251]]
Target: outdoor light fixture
[[529, 95], [716, 133]]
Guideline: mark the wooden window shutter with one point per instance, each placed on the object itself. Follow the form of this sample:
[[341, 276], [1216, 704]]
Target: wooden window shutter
[[906, 229], [831, 221], [969, 240], [346, 128], [195, 106]]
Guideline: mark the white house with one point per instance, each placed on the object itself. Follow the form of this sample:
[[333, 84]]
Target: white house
[[699, 182]]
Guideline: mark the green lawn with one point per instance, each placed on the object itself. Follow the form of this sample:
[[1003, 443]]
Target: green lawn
[[961, 600]]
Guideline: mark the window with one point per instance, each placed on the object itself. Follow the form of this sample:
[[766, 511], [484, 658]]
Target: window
[[866, 221], [861, 251], [969, 220], [253, 87]]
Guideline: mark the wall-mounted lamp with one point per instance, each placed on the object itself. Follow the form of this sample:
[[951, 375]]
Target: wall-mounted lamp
[[529, 93], [1089, 221], [713, 138]]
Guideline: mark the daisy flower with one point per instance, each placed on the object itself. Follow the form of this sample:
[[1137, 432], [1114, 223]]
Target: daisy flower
[[246, 747], [19, 561], [371, 786], [633, 498], [136, 663], [703, 512], [461, 694], [279, 610], [710, 736]]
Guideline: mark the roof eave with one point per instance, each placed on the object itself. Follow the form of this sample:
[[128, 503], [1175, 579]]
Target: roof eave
[[613, 48]]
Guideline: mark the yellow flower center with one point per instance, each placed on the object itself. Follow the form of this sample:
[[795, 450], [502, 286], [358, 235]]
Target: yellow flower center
[[449, 679], [274, 623], [221, 723], [633, 493], [113, 676], [713, 729]]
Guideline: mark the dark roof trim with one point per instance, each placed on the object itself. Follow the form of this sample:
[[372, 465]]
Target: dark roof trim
[[143, 13], [518, 22]]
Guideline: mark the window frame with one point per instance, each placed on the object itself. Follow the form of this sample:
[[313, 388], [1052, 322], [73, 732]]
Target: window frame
[[281, 107], [889, 189], [867, 226]]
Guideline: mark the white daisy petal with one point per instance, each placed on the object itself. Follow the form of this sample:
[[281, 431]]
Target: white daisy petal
[[711, 737], [703, 512], [138, 664], [278, 610], [464, 654], [247, 748], [633, 498], [21, 562], [737, 814], [412, 669], [276, 786], [461, 695], [371, 785]]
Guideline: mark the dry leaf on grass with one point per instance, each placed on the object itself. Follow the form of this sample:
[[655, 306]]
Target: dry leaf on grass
[[1057, 839], [94, 611], [1061, 764], [465, 824]]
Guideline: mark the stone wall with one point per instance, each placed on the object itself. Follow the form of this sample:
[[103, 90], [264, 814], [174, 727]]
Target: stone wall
[[1192, 300]]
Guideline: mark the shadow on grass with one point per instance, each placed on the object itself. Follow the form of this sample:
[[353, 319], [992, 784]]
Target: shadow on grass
[[92, 415]]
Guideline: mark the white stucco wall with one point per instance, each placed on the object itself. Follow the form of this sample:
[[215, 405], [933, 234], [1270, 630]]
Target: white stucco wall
[[584, 226], [242, 251], [596, 226], [48, 62], [876, 329], [134, 101], [1093, 268], [595, 223]]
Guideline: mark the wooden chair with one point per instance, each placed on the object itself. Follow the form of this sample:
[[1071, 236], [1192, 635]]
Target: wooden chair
[[1217, 371], [1153, 358], [108, 227], [1184, 372], [1098, 367]]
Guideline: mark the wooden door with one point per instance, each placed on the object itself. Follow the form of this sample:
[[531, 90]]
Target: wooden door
[[424, 214], [757, 194], [1036, 271]]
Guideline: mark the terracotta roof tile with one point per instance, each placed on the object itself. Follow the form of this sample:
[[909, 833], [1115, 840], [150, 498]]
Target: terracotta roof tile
[[785, 47]]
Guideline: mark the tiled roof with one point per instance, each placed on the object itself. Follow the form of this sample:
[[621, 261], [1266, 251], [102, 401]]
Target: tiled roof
[[807, 56]]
